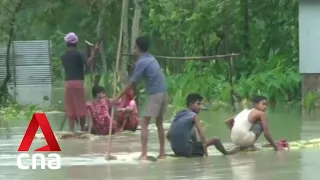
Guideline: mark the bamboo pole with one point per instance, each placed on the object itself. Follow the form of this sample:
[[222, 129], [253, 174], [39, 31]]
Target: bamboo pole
[[192, 58], [115, 81]]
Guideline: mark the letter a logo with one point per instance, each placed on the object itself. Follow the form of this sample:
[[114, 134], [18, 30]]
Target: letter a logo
[[39, 119]]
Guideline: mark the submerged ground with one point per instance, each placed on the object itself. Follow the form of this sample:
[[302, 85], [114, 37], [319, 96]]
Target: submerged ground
[[84, 160]]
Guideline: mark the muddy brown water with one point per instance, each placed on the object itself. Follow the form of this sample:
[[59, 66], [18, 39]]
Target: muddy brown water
[[84, 160]]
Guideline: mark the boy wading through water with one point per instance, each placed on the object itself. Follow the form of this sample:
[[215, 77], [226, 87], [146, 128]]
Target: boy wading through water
[[148, 69], [182, 135], [74, 62], [247, 126]]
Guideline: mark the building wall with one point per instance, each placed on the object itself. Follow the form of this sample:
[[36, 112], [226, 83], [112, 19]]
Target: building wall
[[309, 36], [309, 44], [31, 77]]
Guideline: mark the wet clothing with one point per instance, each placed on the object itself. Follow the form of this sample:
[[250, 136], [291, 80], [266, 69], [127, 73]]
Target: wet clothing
[[73, 62], [183, 135], [148, 68], [75, 100], [244, 133], [156, 105], [99, 111], [132, 117]]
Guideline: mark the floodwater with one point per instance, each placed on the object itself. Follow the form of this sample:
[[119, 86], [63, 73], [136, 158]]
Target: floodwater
[[84, 160]]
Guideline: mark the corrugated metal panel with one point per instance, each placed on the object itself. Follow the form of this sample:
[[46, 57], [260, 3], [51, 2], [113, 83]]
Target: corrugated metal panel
[[31, 75], [309, 36], [33, 62], [31, 53]]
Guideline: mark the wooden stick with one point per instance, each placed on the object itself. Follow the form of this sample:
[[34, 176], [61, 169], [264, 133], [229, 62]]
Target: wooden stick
[[115, 81], [87, 42], [192, 58]]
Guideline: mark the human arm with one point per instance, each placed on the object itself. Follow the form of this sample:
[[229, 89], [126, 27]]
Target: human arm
[[89, 118], [92, 57], [94, 54], [136, 76], [229, 122], [132, 105], [201, 134], [267, 134]]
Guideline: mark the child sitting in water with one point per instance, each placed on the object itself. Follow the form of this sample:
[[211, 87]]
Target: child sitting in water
[[182, 135], [98, 113], [127, 113]]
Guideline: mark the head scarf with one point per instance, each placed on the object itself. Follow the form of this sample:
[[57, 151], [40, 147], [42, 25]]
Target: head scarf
[[71, 38]]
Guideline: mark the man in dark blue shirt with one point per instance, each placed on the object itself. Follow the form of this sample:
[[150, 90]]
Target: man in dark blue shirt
[[148, 69], [182, 134]]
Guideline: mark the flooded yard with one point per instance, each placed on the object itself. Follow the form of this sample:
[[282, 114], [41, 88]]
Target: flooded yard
[[84, 160]]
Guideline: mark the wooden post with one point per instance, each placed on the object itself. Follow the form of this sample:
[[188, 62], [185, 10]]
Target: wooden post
[[231, 82]]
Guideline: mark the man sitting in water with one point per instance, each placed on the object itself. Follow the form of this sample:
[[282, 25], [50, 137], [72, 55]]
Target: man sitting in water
[[247, 126], [182, 134]]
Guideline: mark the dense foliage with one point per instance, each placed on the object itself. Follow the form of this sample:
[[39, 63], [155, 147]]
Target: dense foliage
[[264, 32]]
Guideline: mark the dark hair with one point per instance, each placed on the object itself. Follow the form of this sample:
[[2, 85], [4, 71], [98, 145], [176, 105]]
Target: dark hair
[[71, 44], [192, 98], [96, 90], [143, 43], [257, 99]]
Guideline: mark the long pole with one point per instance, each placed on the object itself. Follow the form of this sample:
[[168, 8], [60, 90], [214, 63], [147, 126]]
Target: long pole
[[115, 81]]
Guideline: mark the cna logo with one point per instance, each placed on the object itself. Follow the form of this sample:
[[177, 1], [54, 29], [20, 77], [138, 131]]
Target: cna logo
[[53, 159]]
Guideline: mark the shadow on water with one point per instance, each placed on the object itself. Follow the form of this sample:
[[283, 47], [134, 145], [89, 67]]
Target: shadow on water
[[84, 160]]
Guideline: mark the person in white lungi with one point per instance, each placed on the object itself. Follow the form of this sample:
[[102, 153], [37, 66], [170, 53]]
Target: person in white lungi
[[247, 126]]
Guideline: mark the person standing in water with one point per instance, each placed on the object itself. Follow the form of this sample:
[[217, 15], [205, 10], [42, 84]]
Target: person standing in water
[[148, 68], [74, 62], [247, 126], [182, 134]]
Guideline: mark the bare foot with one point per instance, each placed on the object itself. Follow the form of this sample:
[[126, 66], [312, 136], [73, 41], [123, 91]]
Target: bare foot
[[143, 158], [161, 156]]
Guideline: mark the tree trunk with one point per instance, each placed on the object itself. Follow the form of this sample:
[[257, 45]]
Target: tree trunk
[[135, 31], [4, 94], [101, 33], [125, 43], [246, 39]]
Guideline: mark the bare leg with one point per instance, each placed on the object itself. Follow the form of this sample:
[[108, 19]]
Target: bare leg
[[144, 138], [71, 124], [217, 143], [161, 136], [82, 123]]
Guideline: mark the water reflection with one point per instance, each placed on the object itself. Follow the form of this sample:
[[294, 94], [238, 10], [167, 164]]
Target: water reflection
[[310, 157], [243, 167], [266, 166]]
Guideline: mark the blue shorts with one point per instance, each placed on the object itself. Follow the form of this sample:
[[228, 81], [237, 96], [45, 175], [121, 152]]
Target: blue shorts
[[257, 129]]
